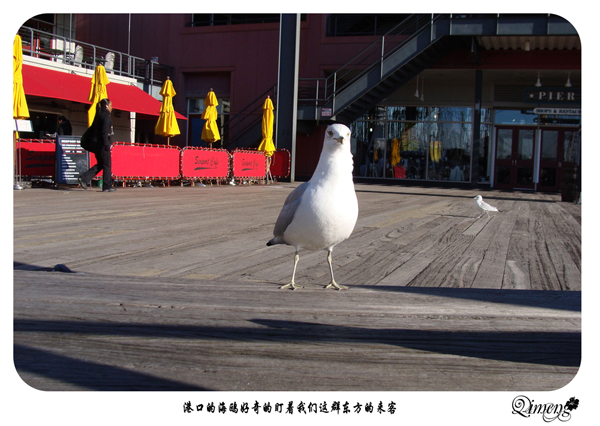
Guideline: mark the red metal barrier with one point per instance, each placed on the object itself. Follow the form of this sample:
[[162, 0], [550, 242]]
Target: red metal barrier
[[36, 157], [280, 163], [249, 164], [204, 163], [143, 161]]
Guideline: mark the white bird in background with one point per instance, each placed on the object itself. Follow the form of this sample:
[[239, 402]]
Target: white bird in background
[[484, 206], [322, 212]]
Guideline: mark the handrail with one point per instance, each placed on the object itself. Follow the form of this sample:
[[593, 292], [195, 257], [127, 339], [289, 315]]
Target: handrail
[[367, 59], [239, 122], [41, 44]]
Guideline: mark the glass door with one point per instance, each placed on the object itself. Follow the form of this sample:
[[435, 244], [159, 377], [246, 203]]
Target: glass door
[[514, 157], [550, 164], [560, 149]]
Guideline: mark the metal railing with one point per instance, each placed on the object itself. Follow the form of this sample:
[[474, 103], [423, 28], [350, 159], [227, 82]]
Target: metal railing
[[247, 118], [40, 44], [323, 90]]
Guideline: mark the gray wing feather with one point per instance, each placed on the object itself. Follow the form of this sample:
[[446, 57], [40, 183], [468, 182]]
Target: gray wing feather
[[289, 209]]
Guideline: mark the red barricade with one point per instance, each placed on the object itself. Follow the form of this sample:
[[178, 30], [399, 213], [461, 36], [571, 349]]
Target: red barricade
[[249, 164], [204, 163], [142, 161], [280, 163], [36, 157]]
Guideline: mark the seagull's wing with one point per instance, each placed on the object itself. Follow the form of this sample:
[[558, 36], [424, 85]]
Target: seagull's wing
[[289, 209], [486, 206]]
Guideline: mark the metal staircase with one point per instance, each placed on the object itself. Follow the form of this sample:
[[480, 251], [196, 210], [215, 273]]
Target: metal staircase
[[244, 128], [398, 56], [402, 53], [407, 49]]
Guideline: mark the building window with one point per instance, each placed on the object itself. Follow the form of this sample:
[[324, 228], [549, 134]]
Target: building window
[[425, 143], [345, 24], [213, 19]]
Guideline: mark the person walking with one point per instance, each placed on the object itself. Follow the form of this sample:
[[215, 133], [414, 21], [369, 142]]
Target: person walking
[[102, 130]]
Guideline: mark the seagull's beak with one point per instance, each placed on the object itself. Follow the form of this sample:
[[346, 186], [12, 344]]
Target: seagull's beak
[[340, 140]]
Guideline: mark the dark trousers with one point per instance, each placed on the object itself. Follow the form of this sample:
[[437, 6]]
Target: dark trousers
[[102, 163]]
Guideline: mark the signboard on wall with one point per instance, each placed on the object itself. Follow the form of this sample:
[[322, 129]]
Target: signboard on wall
[[552, 95], [558, 111], [70, 160]]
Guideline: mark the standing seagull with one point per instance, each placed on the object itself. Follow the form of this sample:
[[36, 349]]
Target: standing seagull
[[322, 212], [484, 206]]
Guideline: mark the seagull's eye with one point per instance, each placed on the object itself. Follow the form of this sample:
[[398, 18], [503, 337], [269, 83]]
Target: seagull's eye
[[330, 133]]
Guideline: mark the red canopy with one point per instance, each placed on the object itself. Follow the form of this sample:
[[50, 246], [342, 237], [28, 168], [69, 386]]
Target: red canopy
[[62, 85]]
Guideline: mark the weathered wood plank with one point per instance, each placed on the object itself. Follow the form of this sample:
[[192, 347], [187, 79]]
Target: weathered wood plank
[[176, 289], [80, 331]]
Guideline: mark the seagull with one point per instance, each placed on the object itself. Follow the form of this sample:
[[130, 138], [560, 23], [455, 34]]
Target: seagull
[[484, 206], [322, 212]]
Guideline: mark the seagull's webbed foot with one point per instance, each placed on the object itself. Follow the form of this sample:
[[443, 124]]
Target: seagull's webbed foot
[[291, 285], [336, 286]]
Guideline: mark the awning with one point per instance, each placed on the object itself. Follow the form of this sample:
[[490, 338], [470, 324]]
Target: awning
[[62, 85]]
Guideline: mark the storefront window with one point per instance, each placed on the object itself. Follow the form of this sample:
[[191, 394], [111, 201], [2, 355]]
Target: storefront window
[[432, 143], [485, 130], [504, 142], [549, 145], [525, 148], [451, 114], [450, 151], [514, 117], [408, 113], [361, 135], [409, 144], [572, 147], [486, 115]]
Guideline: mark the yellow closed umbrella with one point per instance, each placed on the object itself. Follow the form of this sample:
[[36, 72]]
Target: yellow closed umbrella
[[395, 152], [266, 144], [210, 131], [97, 91], [167, 123], [435, 149], [20, 110]]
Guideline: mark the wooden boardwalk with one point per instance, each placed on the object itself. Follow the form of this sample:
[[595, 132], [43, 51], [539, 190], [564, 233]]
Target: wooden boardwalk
[[174, 288]]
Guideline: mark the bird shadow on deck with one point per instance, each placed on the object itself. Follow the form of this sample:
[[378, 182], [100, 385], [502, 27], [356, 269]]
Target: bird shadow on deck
[[547, 299]]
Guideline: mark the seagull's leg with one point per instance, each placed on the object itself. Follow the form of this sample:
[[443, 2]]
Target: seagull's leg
[[333, 284], [292, 284], [488, 215]]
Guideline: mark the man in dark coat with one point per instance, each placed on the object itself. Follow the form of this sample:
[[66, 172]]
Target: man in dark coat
[[103, 130], [64, 128]]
